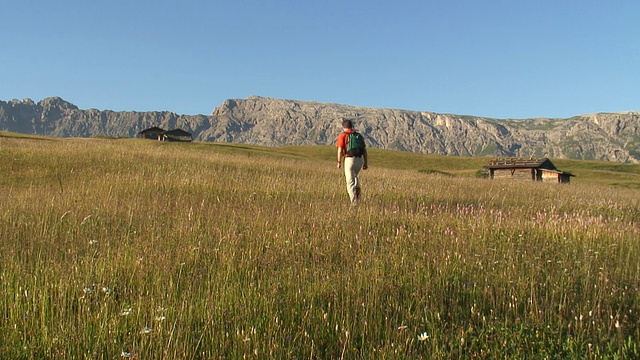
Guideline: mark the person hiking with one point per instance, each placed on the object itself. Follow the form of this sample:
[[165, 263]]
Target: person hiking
[[352, 156]]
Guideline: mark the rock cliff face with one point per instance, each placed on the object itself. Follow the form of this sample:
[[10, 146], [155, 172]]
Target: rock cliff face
[[275, 122]]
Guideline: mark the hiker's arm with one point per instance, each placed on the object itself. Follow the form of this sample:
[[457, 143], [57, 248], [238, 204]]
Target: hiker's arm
[[340, 156], [365, 165]]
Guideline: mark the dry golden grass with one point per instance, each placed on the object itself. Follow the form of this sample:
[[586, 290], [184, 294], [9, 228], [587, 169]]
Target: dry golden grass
[[139, 249]]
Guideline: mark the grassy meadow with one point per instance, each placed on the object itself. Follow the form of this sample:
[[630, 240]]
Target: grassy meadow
[[135, 249]]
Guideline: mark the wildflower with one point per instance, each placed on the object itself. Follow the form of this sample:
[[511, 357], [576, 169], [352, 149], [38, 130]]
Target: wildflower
[[160, 318], [125, 354], [126, 312], [106, 290], [93, 242], [145, 330], [87, 290], [423, 337], [402, 327]]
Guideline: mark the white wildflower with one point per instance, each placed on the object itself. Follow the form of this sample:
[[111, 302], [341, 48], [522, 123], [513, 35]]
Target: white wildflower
[[423, 337], [126, 312]]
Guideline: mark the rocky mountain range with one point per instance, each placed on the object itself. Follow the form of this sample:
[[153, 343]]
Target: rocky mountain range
[[274, 122]]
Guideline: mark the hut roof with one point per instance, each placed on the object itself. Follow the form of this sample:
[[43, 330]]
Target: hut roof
[[177, 132], [154, 129], [521, 163]]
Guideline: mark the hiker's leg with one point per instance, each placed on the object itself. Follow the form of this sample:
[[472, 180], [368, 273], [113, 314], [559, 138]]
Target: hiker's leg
[[352, 167], [357, 166], [350, 177]]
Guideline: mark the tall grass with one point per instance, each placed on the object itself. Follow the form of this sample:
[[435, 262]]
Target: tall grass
[[137, 249]]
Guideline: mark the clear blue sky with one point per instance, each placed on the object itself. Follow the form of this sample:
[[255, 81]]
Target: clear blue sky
[[494, 58]]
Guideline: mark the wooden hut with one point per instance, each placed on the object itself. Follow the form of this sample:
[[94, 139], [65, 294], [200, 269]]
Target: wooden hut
[[530, 169], [153, 133], [156, 133], [177, 135]]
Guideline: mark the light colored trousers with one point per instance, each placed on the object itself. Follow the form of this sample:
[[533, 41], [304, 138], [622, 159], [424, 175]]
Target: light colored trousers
[[352, 166]]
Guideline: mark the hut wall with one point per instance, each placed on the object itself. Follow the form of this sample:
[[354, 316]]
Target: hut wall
[[150, 135], [513, 174], [177, 138], [549, 176]]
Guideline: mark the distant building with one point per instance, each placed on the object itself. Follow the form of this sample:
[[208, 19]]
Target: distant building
[[156, 133], [177, 135], [531, 169]]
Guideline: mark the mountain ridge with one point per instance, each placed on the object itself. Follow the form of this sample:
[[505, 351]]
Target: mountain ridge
[[274, 122]]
